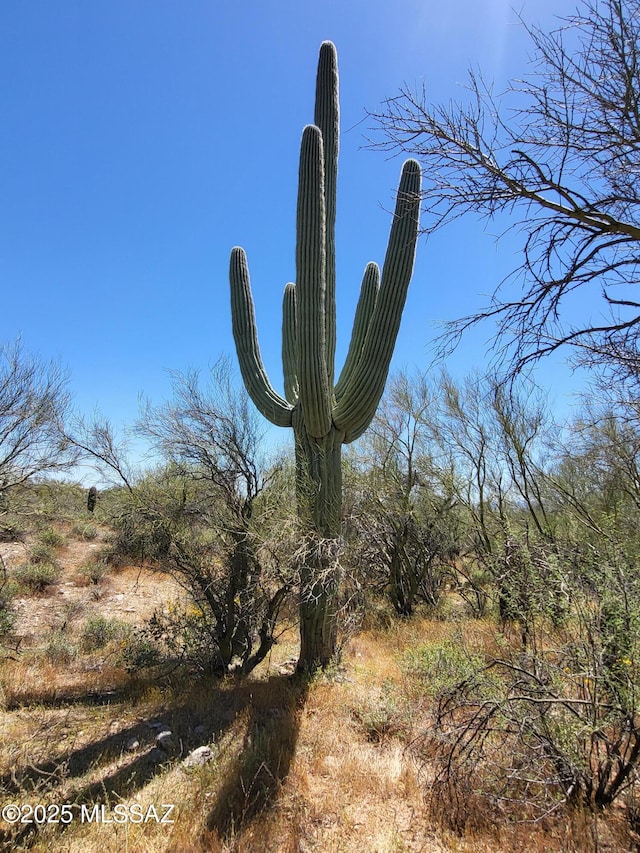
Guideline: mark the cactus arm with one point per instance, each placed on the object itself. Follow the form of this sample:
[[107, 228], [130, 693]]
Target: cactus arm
[[327, 118], [313, 384], [289, 344], [245, 334], [354, 411], [364, 310]]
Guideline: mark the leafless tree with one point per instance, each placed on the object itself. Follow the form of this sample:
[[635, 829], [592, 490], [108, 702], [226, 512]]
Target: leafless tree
[[99, 444], [196, 516], [33, 402], [212, 437], [406, 527], [213, 433], [557, 156]]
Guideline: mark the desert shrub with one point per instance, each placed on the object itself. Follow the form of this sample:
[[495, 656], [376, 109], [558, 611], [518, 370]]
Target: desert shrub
[[142, 522], [98, 632], [139, 651], [59, 649], [549, 724], [67, 500], [86, 532], [191, 553], [11, 529], [50, 537], [224, 549], [69, 611], [7, 611], [472, 581], [208, 515], [135, 538], [37, 576], [405, 541], [377, 613], [40, 552], [94, 570], [384, 715], [187, 634], [437, 667]]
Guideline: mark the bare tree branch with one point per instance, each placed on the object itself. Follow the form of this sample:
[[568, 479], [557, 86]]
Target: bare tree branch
[[562, 165], [33, 403]]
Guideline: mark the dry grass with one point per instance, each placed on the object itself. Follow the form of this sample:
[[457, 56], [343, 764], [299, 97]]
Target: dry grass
[[332, 764]]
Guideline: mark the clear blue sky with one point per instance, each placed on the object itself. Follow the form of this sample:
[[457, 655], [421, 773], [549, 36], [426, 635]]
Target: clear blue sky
[[141, 139]]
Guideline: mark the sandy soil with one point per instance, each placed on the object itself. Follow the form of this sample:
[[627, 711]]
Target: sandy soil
[[130, 593]]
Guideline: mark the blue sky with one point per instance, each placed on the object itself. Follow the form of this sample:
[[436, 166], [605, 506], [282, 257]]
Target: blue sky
[[142, 139]]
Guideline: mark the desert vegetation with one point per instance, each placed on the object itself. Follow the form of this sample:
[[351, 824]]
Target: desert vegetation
[[418, 629], [483, 694]]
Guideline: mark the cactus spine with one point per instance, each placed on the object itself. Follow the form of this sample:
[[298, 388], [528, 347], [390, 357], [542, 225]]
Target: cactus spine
[[325, 416]]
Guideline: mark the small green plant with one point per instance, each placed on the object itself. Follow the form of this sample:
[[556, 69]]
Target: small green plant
[[37, 576], [188, 634], [138, 651], [11, 530], [7, 611], [70, 610], [40, 552], [59, 649], [95, 570], [50, 537], [86, 532], [98, 632], [382, 717], [440, 666], [137, 535]]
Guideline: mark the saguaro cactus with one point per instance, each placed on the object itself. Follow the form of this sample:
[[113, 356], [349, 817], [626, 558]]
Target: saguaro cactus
[[325, 416]]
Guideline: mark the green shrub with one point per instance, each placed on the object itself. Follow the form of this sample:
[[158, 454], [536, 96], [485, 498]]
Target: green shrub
[[86, 532], [546, 724], [137, 538], [59, 649], [181, 633], [11, 531], [50, 537], [95, 570], [377, 613], [7, 611], [37, 576], [98, 632], [139, 651], [69, 610], [383, 716], [439, 667], [188, 633], [40, 552]]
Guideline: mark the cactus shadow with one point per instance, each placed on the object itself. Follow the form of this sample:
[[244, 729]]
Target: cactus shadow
[[252, 785], [271, 708]]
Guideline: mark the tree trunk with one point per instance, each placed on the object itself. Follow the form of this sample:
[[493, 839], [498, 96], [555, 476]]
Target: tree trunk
[[319, 497]]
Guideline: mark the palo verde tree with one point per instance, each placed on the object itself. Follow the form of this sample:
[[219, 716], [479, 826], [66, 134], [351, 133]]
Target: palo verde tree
[[558, 156], [324, 415]]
